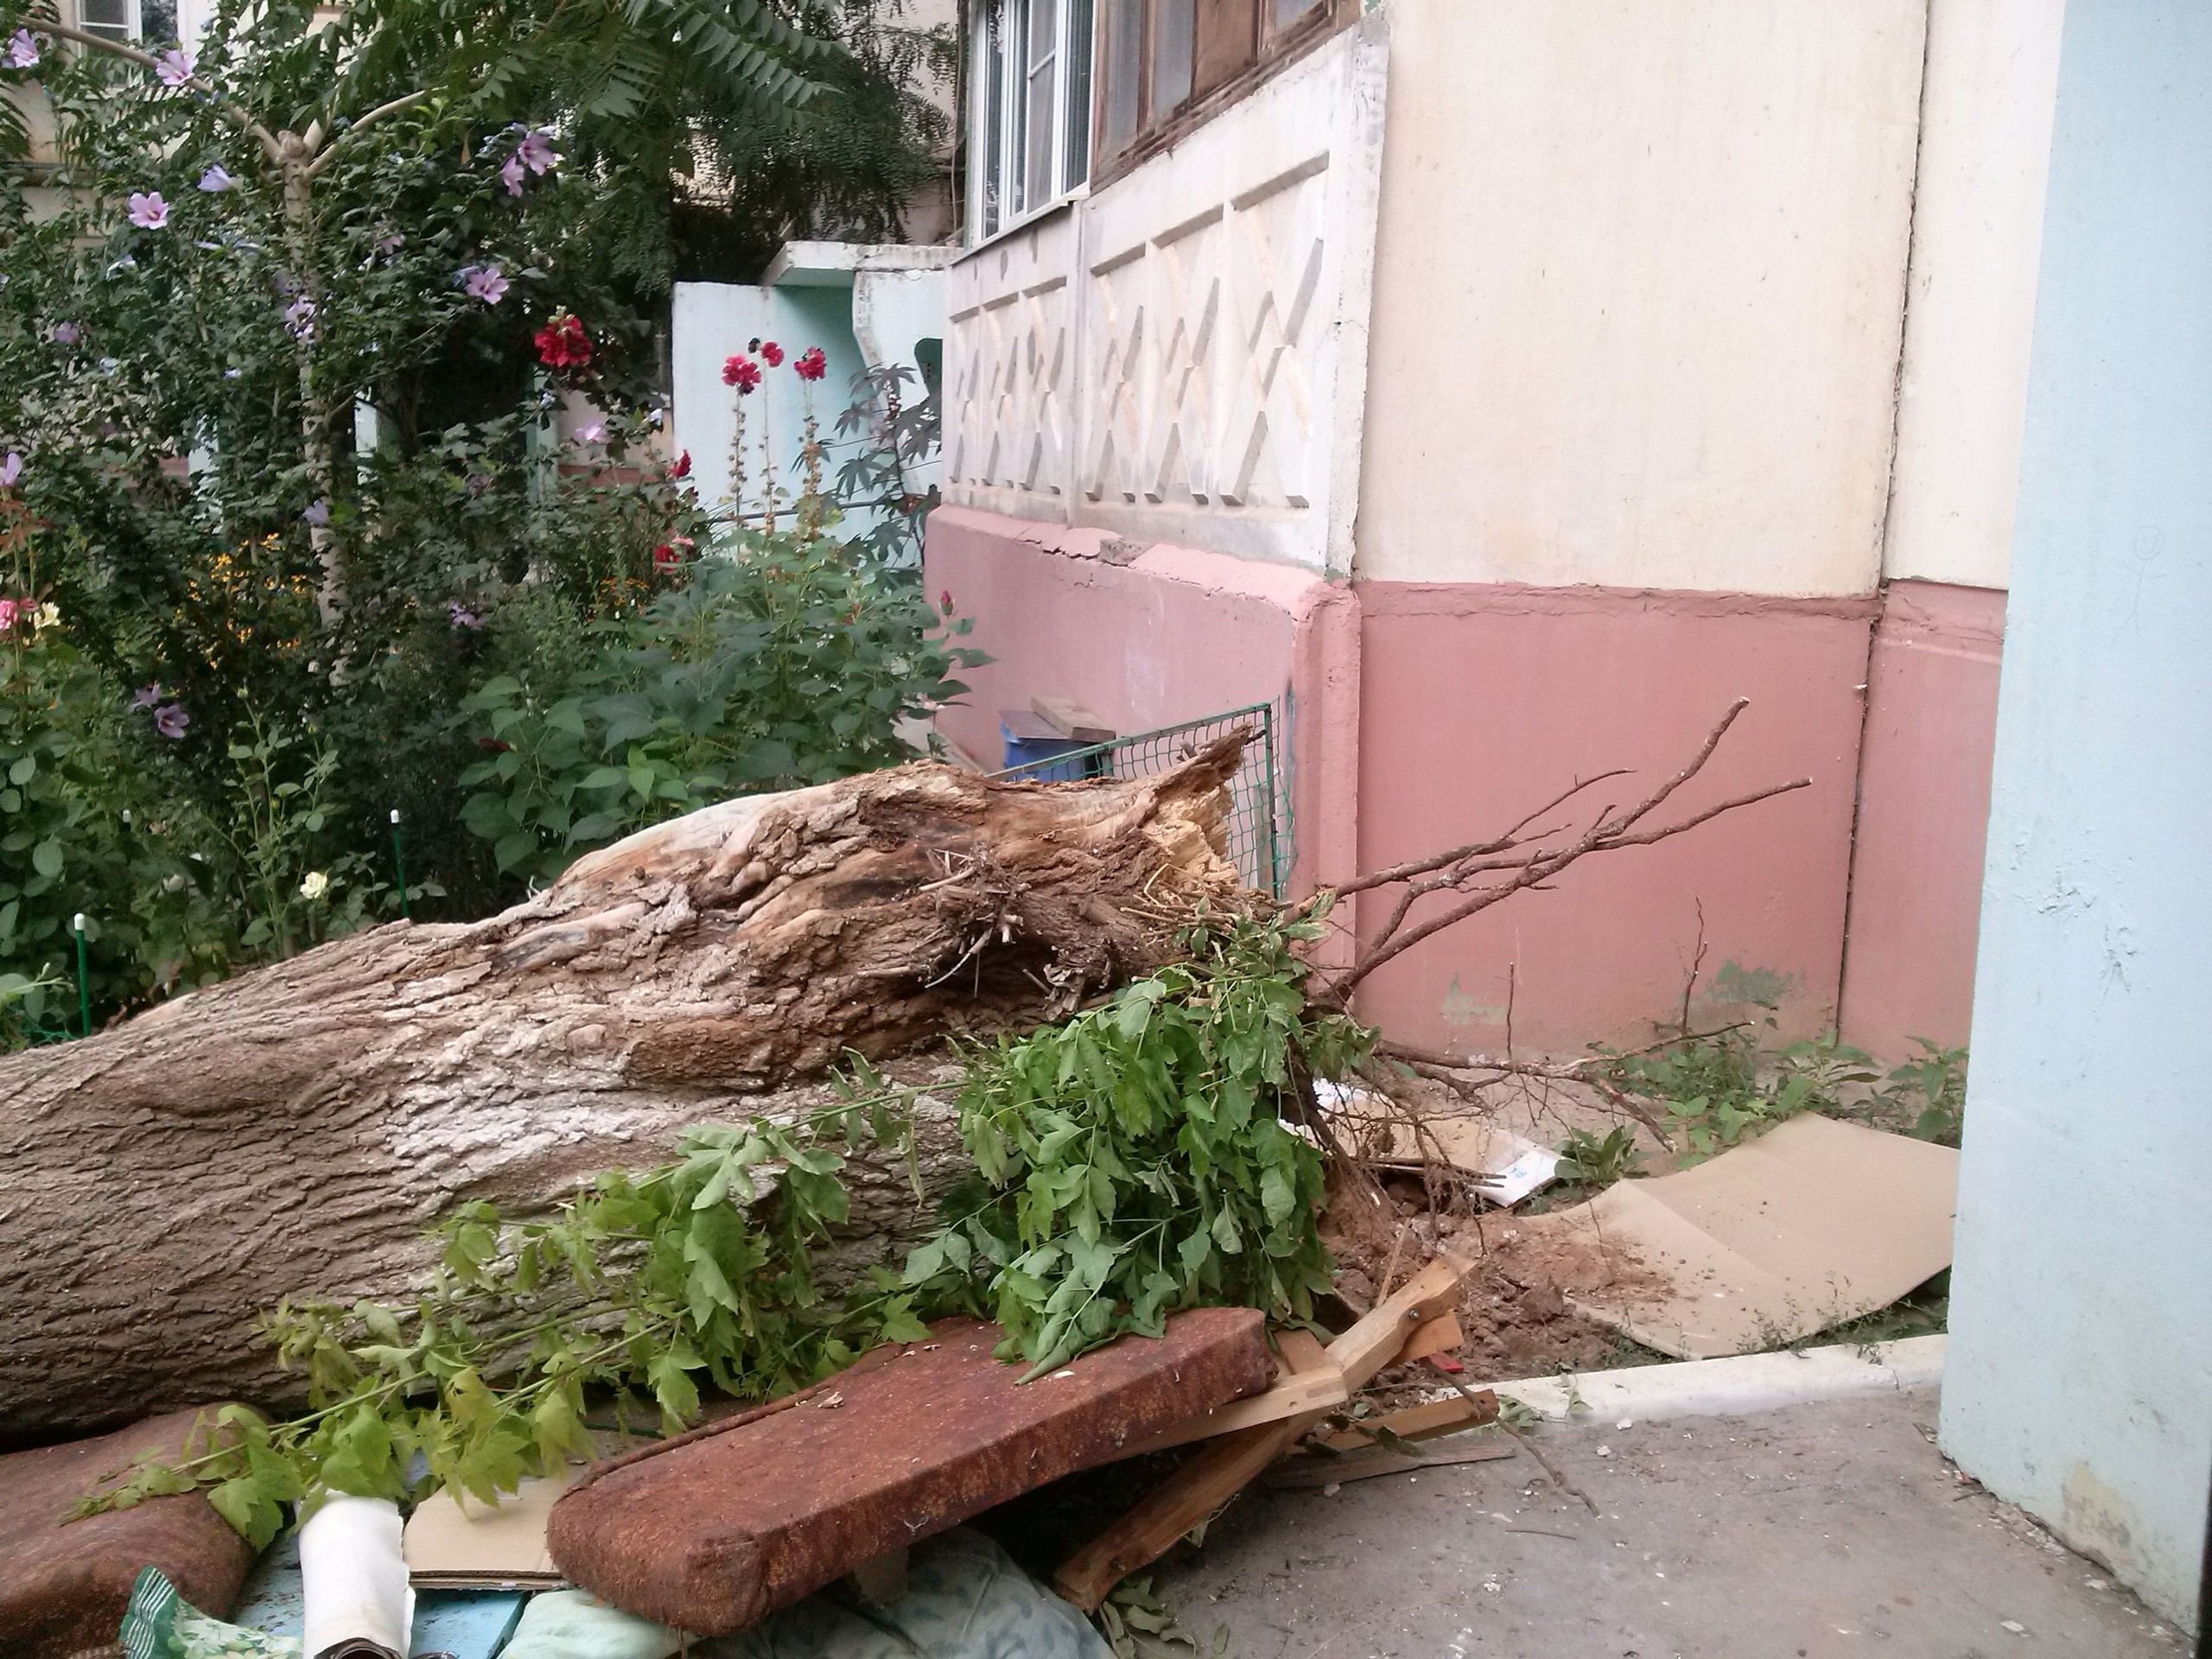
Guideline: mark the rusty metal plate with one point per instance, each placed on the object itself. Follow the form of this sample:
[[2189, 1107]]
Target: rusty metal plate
[[63, 1587], [713, 1530]]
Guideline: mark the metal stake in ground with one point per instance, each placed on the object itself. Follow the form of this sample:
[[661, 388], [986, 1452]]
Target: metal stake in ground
[[400, 865], [84, 983]]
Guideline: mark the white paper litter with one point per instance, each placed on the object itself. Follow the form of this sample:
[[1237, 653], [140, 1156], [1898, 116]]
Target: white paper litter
[[354, 1580]]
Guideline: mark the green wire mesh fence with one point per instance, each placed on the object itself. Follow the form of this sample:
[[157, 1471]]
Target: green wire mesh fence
[[1259, 809]]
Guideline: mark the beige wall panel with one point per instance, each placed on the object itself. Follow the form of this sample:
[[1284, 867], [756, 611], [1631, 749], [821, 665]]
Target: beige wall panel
[[1638, 292]]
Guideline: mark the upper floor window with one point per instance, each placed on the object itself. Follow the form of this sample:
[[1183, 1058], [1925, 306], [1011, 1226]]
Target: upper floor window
[[114, 20], [1162, 62], [1030, 102]]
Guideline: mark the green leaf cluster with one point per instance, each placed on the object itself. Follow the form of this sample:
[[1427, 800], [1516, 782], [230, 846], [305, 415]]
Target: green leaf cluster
[[1713, 1089], [783, 661], [1150, 1153], [640, 1291]]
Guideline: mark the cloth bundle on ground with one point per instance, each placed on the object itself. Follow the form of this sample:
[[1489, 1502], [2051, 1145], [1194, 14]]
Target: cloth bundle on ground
[[965, 1600], [63, 1587]]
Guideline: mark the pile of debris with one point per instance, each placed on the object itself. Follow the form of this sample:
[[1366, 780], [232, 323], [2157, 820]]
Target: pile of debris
[[297, 1128], [711, 1532]]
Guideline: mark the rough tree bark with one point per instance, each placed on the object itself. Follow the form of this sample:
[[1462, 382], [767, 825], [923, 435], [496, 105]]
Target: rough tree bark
[[296, 1130]]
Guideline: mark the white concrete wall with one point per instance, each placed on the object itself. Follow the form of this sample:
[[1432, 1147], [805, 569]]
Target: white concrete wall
[[2079, 1382], [1639, 280], [1010, 373], [1984, 149]]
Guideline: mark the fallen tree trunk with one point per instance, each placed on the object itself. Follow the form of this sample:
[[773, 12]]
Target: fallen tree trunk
[[296, 1130]]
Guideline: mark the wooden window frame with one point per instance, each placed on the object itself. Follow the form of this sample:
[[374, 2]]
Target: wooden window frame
[[1275, 48]]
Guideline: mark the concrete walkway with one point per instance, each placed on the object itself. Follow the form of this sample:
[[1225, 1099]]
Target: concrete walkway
[[1818, 1529]]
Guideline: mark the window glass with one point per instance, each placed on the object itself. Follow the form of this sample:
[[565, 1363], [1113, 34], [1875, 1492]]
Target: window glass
[[1173, 37], [1289, 11], [111, 18], [1076, 166], [1121, 60], [994, 114], [1042, 56]]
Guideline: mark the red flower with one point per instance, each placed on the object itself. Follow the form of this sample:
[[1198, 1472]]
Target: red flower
[[665, 558], [774, 353], [944, 601], [682, 467], [811, 365], [741, 371], [563, 344]]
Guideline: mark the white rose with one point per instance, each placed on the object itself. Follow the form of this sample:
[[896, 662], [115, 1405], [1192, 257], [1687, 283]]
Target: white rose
[[315, 886]]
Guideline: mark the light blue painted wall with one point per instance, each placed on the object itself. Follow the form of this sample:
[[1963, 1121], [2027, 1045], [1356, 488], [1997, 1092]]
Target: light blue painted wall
[[2079, 1377]]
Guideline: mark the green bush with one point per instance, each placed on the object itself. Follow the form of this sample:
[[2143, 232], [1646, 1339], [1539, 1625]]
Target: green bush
[[781, 663]]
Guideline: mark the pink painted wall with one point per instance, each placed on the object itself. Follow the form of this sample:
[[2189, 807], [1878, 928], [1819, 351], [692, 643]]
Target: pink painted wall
[[1480, 701], [1151, 637], [1923, 815]]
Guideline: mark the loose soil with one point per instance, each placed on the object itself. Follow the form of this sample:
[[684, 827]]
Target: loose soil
[[1514, 1312]]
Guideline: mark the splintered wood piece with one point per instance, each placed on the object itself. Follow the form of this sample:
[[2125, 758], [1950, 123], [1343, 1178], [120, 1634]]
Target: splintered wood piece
[[1438, 1336], [1225, 1466], [1215, 1473], [1382, 1335], [1421, 1423]]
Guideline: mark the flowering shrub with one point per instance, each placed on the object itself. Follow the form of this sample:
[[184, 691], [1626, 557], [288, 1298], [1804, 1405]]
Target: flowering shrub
[[287, 543]]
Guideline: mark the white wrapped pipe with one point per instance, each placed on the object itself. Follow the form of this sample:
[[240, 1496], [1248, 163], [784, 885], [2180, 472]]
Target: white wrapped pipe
[[354, 1581]]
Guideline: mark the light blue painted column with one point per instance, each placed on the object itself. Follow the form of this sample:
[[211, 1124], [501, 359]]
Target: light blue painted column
[[2079, 1376]]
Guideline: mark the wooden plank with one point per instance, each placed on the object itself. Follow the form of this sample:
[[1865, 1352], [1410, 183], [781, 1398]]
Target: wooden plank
[[711, 1530], [1225, 1465], [1311, 1384], [1217, 1472], [1421, 1423], [1377, 1339], [1438, 1336], [1073, 719]]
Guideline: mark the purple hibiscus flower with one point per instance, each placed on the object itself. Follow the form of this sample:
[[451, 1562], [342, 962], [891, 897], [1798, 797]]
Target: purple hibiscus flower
[[175, 66], [23, 50], [148, 211], [63, 334], [10, 470], [536, 151], [170, 720], [510, 175], [215, 180], [486, 282], [317, 513], [147, 695]]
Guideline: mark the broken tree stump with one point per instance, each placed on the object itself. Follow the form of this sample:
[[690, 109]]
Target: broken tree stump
[[296, 1130]]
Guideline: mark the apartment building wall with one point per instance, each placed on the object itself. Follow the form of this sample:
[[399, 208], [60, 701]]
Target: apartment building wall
[[1627, 449]]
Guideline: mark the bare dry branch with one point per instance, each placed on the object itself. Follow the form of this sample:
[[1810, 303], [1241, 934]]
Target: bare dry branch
[[1530, 868]]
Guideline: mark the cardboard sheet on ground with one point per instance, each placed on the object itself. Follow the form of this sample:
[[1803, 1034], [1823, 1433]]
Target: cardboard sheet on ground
[[1815, 1222], [457, 1543]]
